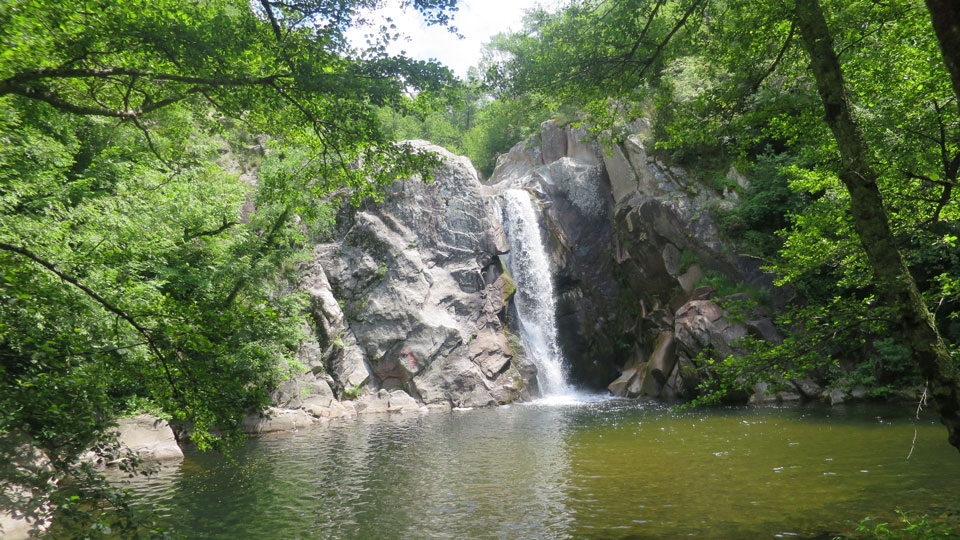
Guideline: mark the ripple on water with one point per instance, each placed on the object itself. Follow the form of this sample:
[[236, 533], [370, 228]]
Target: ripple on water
[[570, 468]]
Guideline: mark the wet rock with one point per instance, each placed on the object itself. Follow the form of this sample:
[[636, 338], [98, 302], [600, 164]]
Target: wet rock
[[833, 396], [807, 388], [373, 403], [573, 196], [400, 401], [619, 386]]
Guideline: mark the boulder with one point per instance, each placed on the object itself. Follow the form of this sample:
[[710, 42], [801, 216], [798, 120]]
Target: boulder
[[690, 278], [400, 401], [373, 403], [623, 178], [833, 396], [582, 147], [664, 357], [14, 528], [275, 420], [332, 346], [763, 393], [671, 259], [702, 323], [807, 388], [333, 409], [149, 437], [517, 164], [649, 182], [553, 141], [706, 292], [631, 371], [304, 388], [738, 177], [619, 386], [764, 329]]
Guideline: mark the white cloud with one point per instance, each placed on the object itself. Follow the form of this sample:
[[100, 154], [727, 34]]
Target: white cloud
[[476, 20]]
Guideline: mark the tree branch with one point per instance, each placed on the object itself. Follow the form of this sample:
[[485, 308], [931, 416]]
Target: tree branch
[[100, 300], [26, 84], [191, 235], [273, 20], [18, 80]]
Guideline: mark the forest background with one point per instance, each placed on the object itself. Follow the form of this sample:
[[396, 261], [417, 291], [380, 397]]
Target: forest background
[[146, 267]]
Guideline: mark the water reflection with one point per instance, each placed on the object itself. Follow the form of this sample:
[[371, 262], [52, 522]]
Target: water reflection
[[609, 469]]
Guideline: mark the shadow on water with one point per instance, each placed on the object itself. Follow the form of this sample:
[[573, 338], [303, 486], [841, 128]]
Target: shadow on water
[[579, 468]]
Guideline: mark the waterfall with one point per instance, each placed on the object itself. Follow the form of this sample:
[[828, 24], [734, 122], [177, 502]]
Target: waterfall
[[535, 300]]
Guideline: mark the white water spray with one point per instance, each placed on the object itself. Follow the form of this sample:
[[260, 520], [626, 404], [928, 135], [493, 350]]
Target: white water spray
[[536, 304]]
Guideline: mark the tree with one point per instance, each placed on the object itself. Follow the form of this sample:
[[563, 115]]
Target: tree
[[946, 22], [870, 221], [161, 165]]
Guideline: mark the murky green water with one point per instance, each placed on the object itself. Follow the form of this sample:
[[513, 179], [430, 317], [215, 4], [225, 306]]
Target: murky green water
[[610, 469]]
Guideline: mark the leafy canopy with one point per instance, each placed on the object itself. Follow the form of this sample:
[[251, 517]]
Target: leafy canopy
[[162, 164]]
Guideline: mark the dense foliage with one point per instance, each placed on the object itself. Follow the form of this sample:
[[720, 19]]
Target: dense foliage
[[730, 82], [161, 164]]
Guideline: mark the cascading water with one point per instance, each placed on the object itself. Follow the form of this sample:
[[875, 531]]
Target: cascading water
[[536, 305]]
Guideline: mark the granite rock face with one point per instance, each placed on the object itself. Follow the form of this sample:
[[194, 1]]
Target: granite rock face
[[409, 297], [567, 180], [410, 294], [631, 240]]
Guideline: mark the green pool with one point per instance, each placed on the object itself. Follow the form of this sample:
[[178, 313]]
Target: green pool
[[598, 469]]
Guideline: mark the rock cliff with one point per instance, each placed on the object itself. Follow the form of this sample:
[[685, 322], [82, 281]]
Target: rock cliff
[[407, 301], [411, 305], [630, 239]]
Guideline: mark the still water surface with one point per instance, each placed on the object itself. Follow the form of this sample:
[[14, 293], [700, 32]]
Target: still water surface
[[603, 469]]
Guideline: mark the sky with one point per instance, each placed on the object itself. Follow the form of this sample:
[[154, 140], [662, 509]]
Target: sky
[[476, 20]]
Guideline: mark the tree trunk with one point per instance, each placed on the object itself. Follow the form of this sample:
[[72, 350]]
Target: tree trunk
[[870, 221], [946, 23]]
